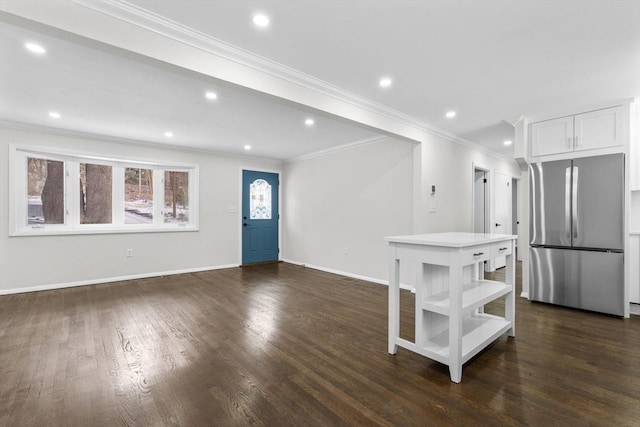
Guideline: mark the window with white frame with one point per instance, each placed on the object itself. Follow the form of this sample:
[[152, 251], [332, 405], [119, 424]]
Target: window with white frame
[[62, 193]]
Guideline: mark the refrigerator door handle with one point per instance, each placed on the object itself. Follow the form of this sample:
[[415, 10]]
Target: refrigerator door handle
[[567, 203], [574, 208]]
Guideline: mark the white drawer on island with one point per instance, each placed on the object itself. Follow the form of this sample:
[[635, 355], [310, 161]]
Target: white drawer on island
[[501, 249], [473, 254]]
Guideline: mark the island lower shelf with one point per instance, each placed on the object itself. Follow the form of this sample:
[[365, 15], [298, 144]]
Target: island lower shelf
[[478, 331], [474, 294]]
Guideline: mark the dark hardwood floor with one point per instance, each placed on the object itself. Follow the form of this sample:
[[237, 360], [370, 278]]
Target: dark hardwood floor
[[280, 345]]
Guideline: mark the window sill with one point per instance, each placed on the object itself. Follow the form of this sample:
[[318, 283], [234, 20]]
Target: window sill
[[44, 231]]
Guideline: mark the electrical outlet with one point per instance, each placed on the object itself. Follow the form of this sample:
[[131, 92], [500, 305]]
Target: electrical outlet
[[129, 253]]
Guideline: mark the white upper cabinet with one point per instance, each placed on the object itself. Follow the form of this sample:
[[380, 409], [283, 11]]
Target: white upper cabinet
[[598, 129], [552, 136], [586, 131]]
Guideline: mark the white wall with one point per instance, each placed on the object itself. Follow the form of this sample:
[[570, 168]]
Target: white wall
[[37, 262], [337, 208], [355, 197], [449, 166], [349, 199]]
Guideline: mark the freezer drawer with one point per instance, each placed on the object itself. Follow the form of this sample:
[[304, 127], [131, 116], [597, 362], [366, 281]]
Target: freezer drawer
[[588, 280]]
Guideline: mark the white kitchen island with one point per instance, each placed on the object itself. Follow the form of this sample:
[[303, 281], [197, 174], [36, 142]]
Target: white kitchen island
[[450, 324]]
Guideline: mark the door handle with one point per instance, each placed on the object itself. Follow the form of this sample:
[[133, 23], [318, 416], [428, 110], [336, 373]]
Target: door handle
[[574, 203], [567, 203], [244, 224], [498, 225]]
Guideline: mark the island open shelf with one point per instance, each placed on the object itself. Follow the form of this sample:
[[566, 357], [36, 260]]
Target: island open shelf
[[450, 324], [474, 294]]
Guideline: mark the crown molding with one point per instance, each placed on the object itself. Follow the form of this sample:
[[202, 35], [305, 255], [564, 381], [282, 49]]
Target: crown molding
[[339, 148], [150, 21]]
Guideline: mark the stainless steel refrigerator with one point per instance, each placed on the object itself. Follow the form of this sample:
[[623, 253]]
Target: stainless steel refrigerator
[[577, 233]]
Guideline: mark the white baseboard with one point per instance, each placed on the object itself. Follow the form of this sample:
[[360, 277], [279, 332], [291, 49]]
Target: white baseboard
[[111, 279], [184, 271], [347, 274]]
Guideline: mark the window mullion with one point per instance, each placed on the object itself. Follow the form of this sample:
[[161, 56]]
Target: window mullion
[[72, 194], [118, 196], [158, 197]]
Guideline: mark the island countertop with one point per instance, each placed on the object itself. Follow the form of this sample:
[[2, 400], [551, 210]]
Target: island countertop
[[450, 239]]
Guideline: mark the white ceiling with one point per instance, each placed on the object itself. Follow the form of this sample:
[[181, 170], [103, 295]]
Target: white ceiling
[[103, 91], [490, 60]]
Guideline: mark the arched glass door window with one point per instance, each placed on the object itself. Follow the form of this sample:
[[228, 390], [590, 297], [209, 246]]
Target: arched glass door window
[[260, 199]]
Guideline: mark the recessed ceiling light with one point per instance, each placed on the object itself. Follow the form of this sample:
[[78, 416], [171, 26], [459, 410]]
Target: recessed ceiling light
[[247, 147], [211, 95], [168, 134], [385, 82], [309, 122], [508, 142], [54, 115], [261, 20], [35, 48], [450, 114]]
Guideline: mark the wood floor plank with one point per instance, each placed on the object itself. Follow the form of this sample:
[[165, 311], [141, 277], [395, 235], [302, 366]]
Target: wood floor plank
[[279, 345]]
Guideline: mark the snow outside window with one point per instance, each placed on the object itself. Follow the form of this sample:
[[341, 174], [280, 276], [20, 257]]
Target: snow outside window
[[138, 196], [176, 197]]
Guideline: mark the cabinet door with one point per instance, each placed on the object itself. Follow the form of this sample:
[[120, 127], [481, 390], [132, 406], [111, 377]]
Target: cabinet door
[[634, 155], [599, 129], [552, 136]]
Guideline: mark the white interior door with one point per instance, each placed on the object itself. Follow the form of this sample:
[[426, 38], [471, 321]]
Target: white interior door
[[502, 209], [479, 201], [482, 204]]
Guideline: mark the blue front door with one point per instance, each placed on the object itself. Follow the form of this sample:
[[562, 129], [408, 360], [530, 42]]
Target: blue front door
[[260, 216]]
